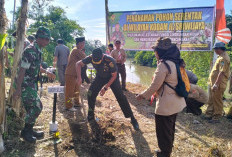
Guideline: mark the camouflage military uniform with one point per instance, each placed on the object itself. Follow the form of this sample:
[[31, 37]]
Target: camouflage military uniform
[[31, 61]]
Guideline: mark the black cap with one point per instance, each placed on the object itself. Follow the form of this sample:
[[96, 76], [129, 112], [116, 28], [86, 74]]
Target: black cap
[[31, 37], [118, 41], [97, 55], [80, 39], [60, 41], [111, 45]]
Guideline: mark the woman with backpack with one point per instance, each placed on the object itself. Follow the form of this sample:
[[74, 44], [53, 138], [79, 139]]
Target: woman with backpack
[[164, 84]]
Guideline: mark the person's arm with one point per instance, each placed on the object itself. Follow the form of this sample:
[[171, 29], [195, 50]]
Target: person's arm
[[223, 68], [124, 57], [25, 64], [49, 74], [158, 80], [55, 57], [230, 89], [54, 61], [112, 79], [79, 65]]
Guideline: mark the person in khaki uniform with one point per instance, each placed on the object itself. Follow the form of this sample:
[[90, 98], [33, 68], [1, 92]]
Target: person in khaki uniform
[[218, 81], [120, 56], [72, 90], [229, 115], [169, 104]]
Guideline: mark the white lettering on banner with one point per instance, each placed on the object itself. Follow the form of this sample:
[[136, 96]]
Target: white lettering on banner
[[56, 89]]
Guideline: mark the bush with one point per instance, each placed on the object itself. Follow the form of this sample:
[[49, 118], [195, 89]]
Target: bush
[[145, 58], [131, 54], [199, 63]]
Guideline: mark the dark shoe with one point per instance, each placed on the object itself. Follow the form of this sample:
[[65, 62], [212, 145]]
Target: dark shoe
[[214, 121], [27, 134], [124, 89], [90, 116], [38, 134], [229, 117], [206, 117], [135, 124], [87, 80], [160, 154]]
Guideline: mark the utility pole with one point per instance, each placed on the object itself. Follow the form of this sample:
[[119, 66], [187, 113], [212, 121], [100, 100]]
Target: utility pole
[[107, 23], [12, 25]]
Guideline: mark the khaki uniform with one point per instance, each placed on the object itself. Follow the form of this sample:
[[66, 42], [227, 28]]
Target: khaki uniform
[[230, 111], [120, 57], [215, 104], [71, 90], [198, 94]]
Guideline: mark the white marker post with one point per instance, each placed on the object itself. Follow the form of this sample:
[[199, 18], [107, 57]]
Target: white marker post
[[54, 89]]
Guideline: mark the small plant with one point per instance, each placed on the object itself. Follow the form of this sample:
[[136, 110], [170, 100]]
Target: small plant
[[215, 152]]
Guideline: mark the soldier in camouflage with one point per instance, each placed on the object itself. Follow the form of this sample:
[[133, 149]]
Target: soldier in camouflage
[[26, 83]]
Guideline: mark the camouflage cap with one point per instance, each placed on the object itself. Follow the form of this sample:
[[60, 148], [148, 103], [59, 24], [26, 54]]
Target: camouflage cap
[[43, 32]]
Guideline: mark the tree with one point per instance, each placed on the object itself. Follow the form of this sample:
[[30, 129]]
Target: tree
[[229, 25], [37, 8], [61, 28], [3, 24], [21, 25], [199, 64]]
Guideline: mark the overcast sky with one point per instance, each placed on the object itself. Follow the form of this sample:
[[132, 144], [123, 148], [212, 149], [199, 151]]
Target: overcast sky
[[90, 14]]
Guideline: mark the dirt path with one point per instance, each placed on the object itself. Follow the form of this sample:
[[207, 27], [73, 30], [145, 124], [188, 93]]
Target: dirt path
[[112, 135]]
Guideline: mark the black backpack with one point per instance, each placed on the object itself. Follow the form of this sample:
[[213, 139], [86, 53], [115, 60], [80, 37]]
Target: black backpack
[[181, 85]]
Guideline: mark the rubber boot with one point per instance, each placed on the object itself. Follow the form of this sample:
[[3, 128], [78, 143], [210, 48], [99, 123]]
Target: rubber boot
[[90, 115], [27, 133], [38, 134], [229, 115]]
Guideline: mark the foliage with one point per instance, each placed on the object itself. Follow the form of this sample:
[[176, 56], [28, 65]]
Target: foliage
[[229, 25], [145, 58], [131, 54], [90, 45], [199, 63], [61, 28]]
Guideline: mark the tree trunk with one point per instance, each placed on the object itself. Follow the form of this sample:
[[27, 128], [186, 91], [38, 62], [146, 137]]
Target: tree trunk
[[21, 24], [107, 23], [3, 22]]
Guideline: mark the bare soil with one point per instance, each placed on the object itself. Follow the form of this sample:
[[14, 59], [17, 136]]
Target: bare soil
[[112, 135]]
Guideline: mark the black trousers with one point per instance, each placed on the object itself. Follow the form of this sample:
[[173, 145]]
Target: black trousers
[[97, 85], [122, 72], [193, 106], [165, 131]]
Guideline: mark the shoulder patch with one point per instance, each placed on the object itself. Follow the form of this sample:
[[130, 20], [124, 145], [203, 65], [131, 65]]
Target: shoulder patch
[[222, 63], [111, 65], [107, 59]]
